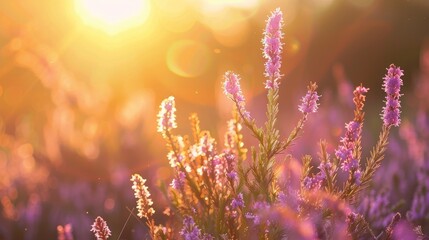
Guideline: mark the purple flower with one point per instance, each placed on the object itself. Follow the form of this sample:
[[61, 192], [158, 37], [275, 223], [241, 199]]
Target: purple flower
[[352, 132], [323, 168], [232, 89], [255, 218], [392, 86], [166, 115], [230, 167], [273, 48], [237, 202], [309, 101], [100, 229], [178, 183], [312, 182], [345, 151], [357, 175], [190, 231]]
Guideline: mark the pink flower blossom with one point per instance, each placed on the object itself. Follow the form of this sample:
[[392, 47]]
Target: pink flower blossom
[[100, 229], [166, 115], [273, 48], [232, 90], [309, 101], [392, 86]]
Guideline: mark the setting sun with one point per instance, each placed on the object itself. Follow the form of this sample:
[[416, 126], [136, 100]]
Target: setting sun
[[113, 16]]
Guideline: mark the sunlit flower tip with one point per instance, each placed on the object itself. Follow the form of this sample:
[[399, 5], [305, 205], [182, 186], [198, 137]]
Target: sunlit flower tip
[[392, 86], [231, 86], [167, 115], [309, 103], [100, 229], [142, 194], [360, 90], [359, 99], [273, 49], [392, 81], [275, 23], [232, 89]]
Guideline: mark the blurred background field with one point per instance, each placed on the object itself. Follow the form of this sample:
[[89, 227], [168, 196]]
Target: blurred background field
[[81, 81]]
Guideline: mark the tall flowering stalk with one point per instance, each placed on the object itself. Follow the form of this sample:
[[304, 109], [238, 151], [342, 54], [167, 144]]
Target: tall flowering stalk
[[264, 161], [100, 229], [390, 115], [144, 202], [142, 194], [349, 152]]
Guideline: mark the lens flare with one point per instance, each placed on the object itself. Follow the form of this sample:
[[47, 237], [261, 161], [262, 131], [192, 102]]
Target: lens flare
[[113, 16], [188, 58]]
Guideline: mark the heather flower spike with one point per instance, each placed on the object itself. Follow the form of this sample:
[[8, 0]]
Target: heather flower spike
[[350, 143], [142, 195], [309, 101], [100, 229], [392, 86], [190, 230], [232, 89], [167, 115], [359, 101], [273, 49]]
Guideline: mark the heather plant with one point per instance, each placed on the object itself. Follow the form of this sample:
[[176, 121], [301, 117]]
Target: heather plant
[[259, 192]]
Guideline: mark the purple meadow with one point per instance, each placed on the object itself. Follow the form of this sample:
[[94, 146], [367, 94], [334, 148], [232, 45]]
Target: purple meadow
[[237, 193]]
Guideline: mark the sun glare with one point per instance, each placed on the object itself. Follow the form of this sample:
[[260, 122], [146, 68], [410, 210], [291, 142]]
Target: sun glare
[[113, 16]]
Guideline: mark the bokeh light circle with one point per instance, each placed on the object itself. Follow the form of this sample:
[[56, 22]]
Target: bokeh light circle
[[188, 58]]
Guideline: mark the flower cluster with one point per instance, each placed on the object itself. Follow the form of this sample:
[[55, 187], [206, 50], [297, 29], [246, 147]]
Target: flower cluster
[[232, 89], [273, 49], [100, 229], [190, 230], [348, 151], [309, 101], [392, 86], [230, 194], [167, 115], [142, 195]]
